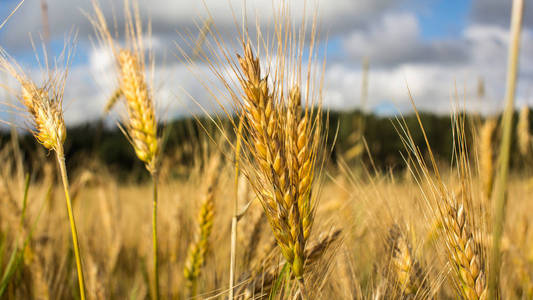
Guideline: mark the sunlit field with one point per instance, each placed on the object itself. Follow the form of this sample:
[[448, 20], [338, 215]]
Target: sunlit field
[[260, 190]]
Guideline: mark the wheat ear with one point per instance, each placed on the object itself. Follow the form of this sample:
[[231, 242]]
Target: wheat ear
[[113, 100], [44, 106], [407, 271], [141, 129], [280, 138], [466, 254], [198, 249], [142, 124]]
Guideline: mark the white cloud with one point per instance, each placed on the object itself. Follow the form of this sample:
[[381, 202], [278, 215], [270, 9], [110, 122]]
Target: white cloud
[[395, 38], [399, 57]]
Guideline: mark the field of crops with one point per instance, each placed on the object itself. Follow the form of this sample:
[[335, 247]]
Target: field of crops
[[261, 203]]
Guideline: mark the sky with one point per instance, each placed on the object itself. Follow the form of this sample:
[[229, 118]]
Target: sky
[[439, 50]]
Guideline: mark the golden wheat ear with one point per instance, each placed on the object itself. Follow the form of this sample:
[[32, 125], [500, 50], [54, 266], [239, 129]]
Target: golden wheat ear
[[408, 274], [198, 249], [141, 124], [44, 105], [465, 253], [280, 137]]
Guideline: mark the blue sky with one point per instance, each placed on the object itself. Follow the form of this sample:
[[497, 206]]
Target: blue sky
[[444, 18], [431, 46]]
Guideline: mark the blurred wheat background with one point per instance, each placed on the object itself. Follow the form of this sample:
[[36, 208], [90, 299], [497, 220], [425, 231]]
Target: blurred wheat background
[[261, 188]]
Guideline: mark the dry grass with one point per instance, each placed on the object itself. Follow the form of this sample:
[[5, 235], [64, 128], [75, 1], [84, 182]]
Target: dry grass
[[114, 217]]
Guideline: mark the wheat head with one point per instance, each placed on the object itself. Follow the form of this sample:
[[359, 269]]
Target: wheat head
[[281, 140], [465, 253], [198, 249], [406, 270], [44, 104], [141, 123], [45, 109]]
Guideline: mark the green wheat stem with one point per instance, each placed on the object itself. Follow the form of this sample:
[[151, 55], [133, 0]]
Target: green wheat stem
[[154, 241], [505, 149], [63, 170]]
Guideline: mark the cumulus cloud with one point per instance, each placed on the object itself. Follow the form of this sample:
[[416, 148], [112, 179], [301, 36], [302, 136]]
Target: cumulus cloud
[[396, 38]]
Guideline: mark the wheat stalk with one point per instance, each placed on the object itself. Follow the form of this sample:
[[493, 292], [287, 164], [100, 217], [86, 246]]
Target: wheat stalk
[[486, 152], [265, 270], [500, 187], [235, 218], [141, 122], [44, 106], [522, 132]]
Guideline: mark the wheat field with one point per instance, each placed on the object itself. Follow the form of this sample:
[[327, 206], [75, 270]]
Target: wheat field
[[261, 203]]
